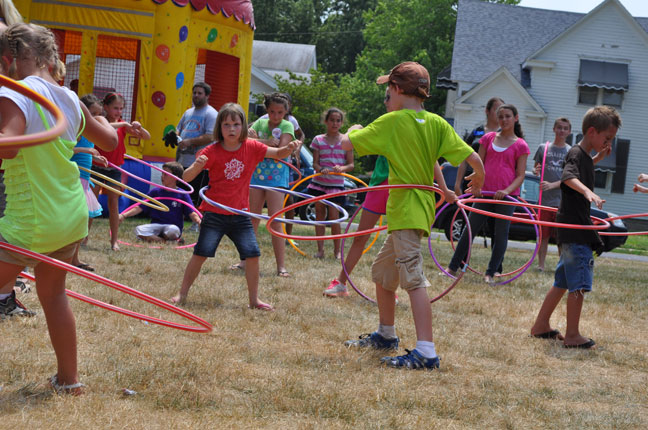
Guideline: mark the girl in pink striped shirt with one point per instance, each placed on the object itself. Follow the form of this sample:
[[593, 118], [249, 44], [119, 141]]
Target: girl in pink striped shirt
[[329, 157]]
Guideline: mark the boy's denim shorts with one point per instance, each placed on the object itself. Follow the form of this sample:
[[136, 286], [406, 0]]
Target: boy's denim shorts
[[237, 227], [575, 269]]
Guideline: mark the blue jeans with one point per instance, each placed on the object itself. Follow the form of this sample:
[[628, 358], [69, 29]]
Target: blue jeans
[[237, 227], [499, 238], [575, 269]]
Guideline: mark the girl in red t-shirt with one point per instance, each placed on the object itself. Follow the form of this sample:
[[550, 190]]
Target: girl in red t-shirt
[[231, 161], [113, 105]]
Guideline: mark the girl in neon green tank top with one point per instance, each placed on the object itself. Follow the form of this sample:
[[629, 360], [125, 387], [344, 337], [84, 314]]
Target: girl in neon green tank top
[[45, 204]]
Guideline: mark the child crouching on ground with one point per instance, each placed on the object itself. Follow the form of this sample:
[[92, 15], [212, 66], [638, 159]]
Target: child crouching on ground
[[575, 269], [165, 226], [231, 160], [412, 140]]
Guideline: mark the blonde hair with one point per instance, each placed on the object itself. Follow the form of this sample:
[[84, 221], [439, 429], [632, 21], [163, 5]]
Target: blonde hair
[[9, 12], [31, 40]]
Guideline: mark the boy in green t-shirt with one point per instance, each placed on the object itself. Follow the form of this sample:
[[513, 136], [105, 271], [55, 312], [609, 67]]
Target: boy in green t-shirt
[[412, 140]]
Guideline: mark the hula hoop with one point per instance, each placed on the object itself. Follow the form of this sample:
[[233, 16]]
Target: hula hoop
[[152, 203], [602, 224], [340, 193], [299, 182], [345, 214], [205, 327], [544, 159], [18, 142], [153, 184], [518, 272], [154, 246], [292, 167], [531, 214], [627, 233]]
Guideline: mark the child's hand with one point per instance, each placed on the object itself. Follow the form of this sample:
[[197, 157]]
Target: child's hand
[[499, 195], [93, 152], [201, 161], [544, 185], [450, 196], [639, 188], [100, 160], [325, 170], [252, 133], [475, 183], [593, 198], [355, 127], [121, 218], [293, 145], [337, 169], [643, 177], [536, 169]]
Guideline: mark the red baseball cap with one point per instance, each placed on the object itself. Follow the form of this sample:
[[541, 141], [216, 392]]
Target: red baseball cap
[[411, 77]]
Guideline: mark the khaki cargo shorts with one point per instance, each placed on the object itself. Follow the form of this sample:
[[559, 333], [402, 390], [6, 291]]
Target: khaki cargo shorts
[[400, 262]]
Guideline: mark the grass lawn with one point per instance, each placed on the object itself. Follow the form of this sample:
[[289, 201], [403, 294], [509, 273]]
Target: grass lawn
[[290, 369]]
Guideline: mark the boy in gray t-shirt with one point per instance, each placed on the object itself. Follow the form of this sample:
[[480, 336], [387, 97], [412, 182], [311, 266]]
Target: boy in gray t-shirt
[[550, 185]]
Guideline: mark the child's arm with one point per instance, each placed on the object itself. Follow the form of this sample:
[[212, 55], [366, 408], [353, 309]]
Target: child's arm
[[193, 216], [316, 164], [520, 168], [12, 123], [448, 195], [136, 129], [601, 155], [90, 151], [346, 142], [348, 166], [193, 170], [577, 185], [476, 178], [129, 213], [640, 188], [281, 152], [98, 131]]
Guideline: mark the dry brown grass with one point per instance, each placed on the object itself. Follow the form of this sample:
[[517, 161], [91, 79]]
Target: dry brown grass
[[289, 369]]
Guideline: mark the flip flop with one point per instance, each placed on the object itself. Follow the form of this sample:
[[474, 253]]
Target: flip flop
[[262, 307], [86, 267], [235, 267], [587, 345], [553, 334], [283, 274]]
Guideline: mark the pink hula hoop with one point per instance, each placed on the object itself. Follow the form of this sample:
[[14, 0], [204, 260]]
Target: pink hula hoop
[[294, 168], [204, 326], [154, 246], [153, 184]]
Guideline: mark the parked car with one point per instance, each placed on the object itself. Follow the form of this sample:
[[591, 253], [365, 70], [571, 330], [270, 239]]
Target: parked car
[[529, 191], [307, 212]]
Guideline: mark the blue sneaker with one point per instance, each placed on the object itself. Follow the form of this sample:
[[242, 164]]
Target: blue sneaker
[[412, 360], [373, 340]]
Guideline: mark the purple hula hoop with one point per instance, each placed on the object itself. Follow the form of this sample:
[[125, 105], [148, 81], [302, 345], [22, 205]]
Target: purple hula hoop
[[153, 184], [524, 268], [446, 291]]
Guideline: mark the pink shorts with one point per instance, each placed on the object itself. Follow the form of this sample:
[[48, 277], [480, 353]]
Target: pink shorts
[[376, 201]]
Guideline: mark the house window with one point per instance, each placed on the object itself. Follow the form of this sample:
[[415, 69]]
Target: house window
[[610, 173], [601, 82]]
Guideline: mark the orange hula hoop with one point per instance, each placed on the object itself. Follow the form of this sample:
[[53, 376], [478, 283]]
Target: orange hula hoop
[[18, 142]]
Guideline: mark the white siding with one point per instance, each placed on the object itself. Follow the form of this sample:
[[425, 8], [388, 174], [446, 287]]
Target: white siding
[[607, 36]]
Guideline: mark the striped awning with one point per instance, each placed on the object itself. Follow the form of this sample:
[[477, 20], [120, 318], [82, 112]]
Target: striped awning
[[602, 74]]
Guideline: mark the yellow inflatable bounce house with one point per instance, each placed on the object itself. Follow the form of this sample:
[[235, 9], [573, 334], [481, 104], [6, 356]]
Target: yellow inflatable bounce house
[[152, 52]]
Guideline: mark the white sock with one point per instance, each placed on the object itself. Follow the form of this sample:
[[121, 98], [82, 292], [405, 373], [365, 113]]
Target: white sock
[[4, 296], [387, 331], [426, 348]]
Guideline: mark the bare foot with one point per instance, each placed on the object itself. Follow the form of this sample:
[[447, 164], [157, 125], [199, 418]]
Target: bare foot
[[115, 247], [319, 255], [178, 300]]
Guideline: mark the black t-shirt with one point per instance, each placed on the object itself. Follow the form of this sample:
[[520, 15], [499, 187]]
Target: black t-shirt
[[574, 207]]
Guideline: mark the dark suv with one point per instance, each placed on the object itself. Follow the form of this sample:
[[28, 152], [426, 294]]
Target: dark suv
[[520, 231], [307, 212]]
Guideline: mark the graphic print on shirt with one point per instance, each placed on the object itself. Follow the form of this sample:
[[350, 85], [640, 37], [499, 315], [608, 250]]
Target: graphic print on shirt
[[233, 169]]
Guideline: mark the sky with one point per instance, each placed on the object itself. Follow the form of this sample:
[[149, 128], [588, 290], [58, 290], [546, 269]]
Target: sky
[[637, 8]]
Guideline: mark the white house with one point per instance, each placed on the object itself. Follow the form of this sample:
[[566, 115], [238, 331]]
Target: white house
[[552, 64], [273, 59]]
